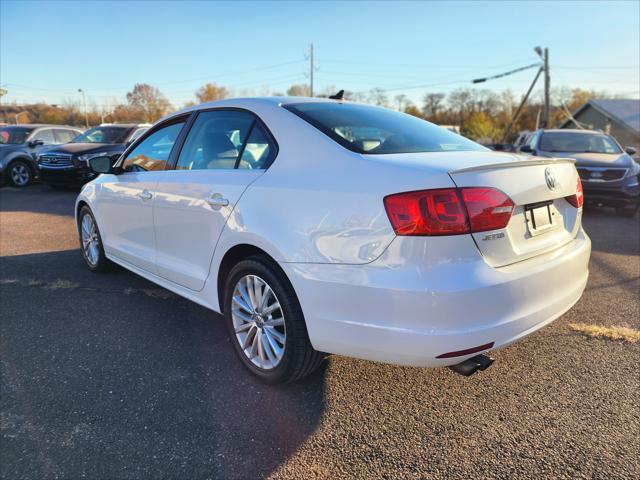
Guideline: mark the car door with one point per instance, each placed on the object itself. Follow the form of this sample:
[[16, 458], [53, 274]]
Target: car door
[[125, 207], [224, 152]]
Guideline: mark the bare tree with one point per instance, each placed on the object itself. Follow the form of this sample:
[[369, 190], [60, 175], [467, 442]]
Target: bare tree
[[432, 104], [301, 90], [377, 96], [401, 100]]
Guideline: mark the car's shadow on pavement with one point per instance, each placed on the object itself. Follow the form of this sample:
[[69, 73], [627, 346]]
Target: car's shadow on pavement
[[127, 374], [38, 198]]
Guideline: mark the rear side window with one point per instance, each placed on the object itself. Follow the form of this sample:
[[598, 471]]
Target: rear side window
[[259, 151], [375, 130], [216, 141]]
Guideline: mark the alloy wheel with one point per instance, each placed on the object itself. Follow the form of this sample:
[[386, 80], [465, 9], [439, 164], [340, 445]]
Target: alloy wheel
[[258, 322], [90, 240], [20, 174]]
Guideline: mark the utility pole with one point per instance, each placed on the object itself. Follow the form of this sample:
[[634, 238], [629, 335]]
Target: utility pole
[[544, 55], [84, 101], [524, 100], [311, 66], [547, 81]]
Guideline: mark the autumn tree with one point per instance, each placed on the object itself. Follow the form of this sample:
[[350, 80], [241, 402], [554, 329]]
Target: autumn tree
[[127, 114], [211, 92], [149, 101], [411, 109], [480, 127]]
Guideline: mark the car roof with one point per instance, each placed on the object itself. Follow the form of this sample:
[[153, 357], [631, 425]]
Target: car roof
[[125, 125], [42, 125], [250, 102]]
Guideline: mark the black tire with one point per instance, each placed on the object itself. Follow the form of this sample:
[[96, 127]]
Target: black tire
[[19, 173], [102, 264], [627, 211], [299, 358]]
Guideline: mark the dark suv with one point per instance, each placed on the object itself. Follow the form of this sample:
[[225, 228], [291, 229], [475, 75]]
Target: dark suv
[[20, 145], [67, 165], [609, 175]]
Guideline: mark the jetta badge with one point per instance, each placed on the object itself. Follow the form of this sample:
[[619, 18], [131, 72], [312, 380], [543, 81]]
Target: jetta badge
[[550, 179]]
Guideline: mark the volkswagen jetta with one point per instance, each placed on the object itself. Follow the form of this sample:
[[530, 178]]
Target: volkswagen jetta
[[328, 226]]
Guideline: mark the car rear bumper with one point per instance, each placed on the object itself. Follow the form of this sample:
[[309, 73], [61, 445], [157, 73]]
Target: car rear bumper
[[413, 304]]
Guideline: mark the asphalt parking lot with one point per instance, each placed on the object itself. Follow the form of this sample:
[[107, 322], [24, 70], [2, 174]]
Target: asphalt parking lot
[[108, 376]]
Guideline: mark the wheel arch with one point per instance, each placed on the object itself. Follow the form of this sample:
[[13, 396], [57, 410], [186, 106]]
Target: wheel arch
[[234, 255], [22, 158], [79, 205]]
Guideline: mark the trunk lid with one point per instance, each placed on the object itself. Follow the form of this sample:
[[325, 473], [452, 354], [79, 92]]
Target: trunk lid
[[542, 219]]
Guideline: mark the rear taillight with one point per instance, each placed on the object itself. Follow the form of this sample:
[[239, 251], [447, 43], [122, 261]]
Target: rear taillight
[[577, 200], [427, 212], [448, 211], [488, 208]]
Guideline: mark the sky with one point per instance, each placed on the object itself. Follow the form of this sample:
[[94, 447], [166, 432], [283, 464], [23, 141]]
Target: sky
[[49, 50]]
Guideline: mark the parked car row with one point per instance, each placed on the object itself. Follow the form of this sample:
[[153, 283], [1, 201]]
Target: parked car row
[[58, 154]]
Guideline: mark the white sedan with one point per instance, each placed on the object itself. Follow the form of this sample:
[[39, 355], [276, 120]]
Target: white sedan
[[322, 226]]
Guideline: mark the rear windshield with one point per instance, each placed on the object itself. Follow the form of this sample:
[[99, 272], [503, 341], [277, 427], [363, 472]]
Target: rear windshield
[[571, 142], [375, 130]]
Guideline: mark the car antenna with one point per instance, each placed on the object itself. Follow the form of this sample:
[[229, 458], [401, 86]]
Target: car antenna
[[337, 96]]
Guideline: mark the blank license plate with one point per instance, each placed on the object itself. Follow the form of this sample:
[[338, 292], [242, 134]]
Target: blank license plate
[[539, 219]]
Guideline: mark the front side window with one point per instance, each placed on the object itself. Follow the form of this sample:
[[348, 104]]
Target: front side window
[[110, 135], [45, 135], [135, 135], [153, 152], [216, 140], [576, 142], [375, 130]]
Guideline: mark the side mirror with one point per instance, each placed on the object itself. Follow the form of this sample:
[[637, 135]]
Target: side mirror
[[527, 149], [35, 143], [101, 164], [630, 150]]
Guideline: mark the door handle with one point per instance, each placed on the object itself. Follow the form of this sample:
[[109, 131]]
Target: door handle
[[145, 195], [217, 201]]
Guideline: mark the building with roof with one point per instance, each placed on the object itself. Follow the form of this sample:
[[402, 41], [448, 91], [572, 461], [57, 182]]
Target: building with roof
[[619, 117]]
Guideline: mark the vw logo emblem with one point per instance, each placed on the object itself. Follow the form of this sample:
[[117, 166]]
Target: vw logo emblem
[[549, 178]]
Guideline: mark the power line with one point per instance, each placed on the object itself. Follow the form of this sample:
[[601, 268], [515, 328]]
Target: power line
[[505, 74]]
